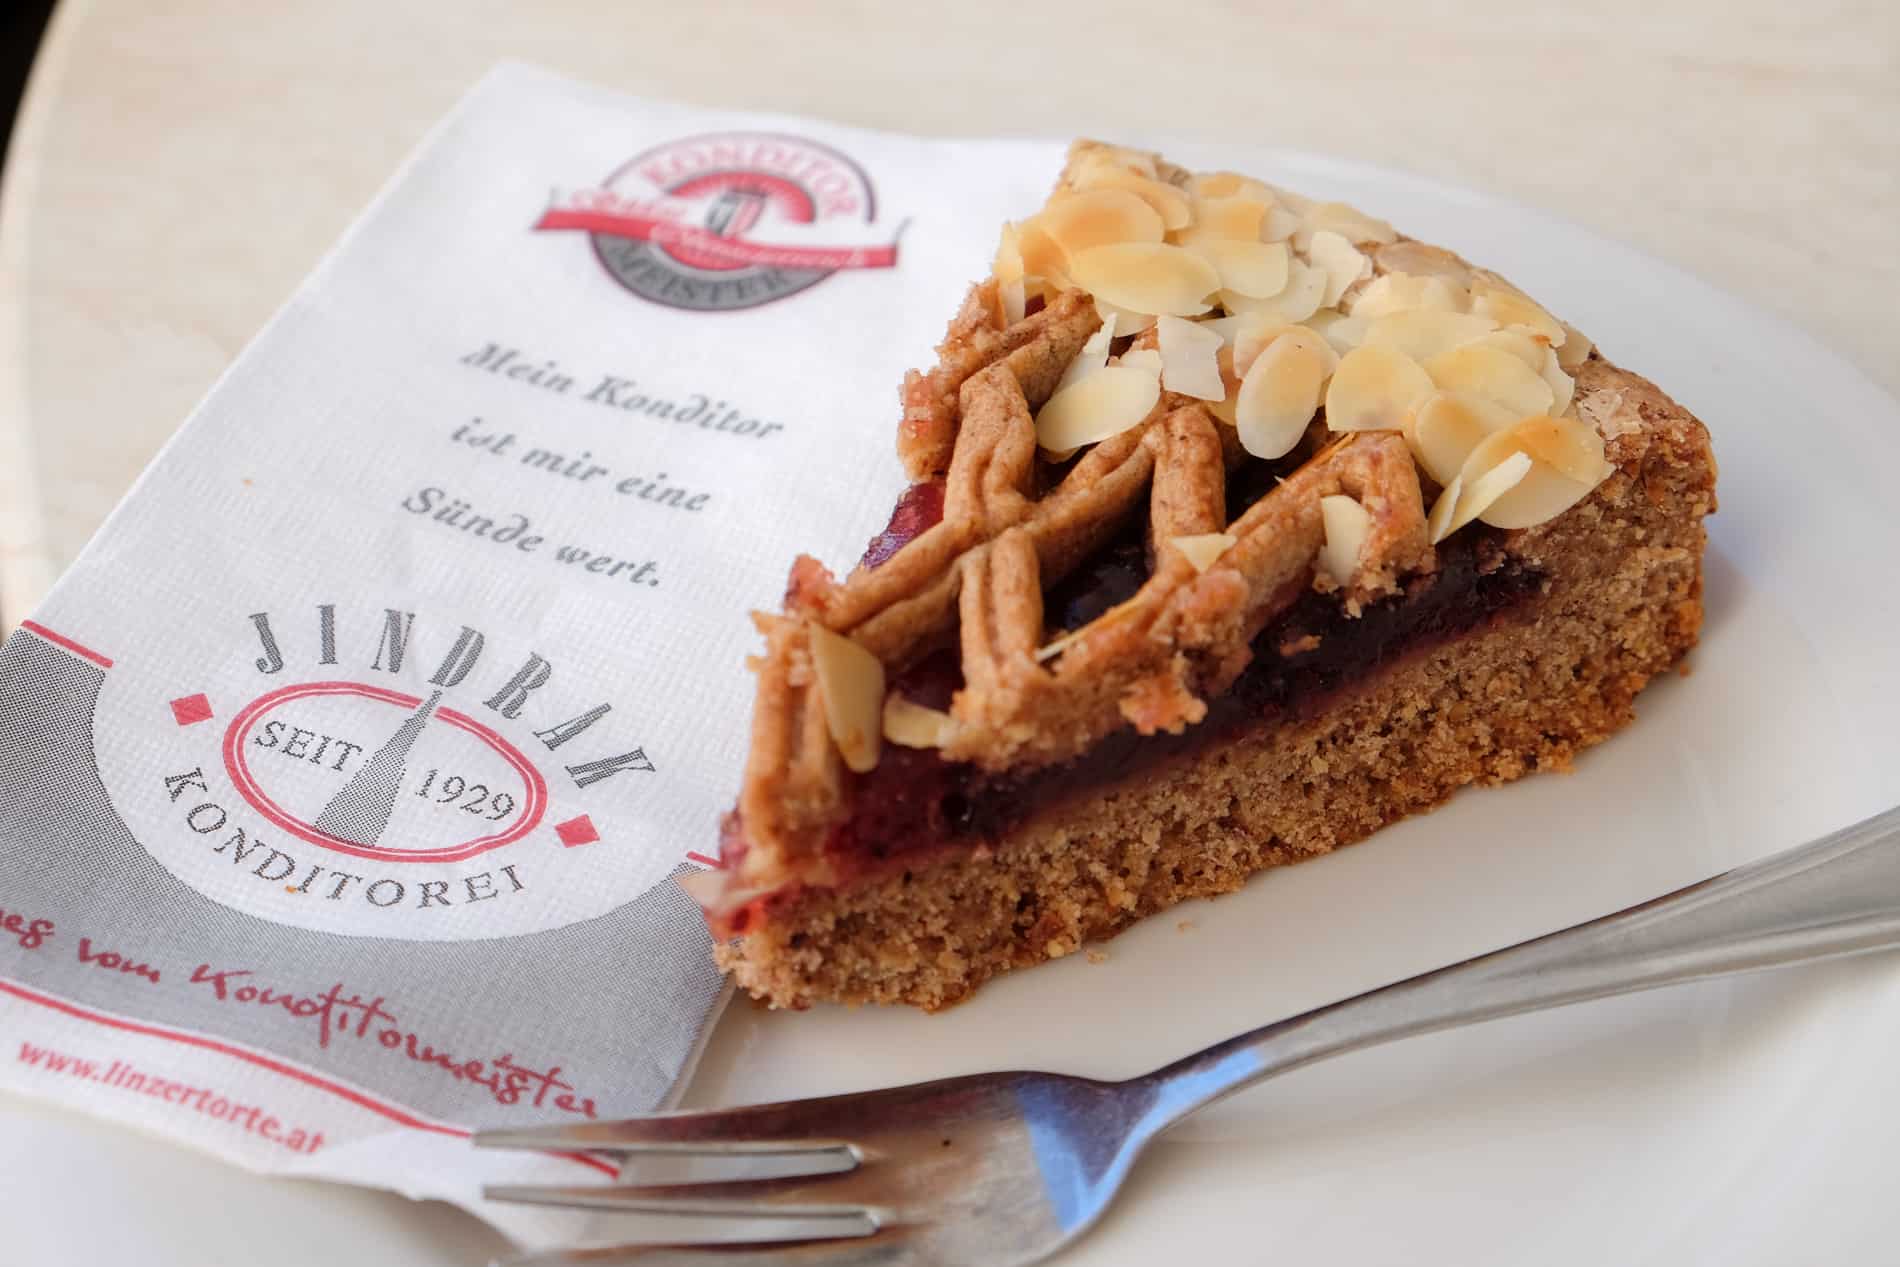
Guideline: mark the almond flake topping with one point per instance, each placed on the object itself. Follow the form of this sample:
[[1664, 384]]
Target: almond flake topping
[[1346, 524], [1202, 549], [1349, 222], [1298, 300], [1168, 202], [1190, 361], [1344, 332], [1518, 344], [1092, 357], [1124, 321], [1235, 219], [1257, 270], [1509, 307], [911, 725], [1422, 260], [1340, 260], [1473, 498], [1448, 426], [851, 682], [1563, 388], [1543, 492], [1438, 523], [1097, 406], [1281, 392], [1375, 389], [1423, 333], [1493, 374], [1098, 217], [1253, 337], [1401, 292], [1574, 350], [1147, 277]]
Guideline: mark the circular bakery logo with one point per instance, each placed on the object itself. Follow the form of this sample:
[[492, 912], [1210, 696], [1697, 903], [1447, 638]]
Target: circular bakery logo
[[382, 771], [729, 220], [423, 783]]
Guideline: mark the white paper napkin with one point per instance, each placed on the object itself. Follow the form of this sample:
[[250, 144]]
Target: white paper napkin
[[346, 771]]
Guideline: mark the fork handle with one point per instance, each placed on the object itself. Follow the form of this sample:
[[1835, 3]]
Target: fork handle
[[1838, 896]]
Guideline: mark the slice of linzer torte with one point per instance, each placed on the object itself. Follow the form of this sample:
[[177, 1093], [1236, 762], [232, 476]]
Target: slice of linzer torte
[[1242, 526]]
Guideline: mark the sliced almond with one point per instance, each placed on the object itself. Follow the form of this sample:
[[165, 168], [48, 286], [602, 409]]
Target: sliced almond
[[1169, 203], [1519, 344], [1298, 300], [1480, 493], [1375, 389], [1124, 321], [1117, 159], [1298, 204], [1344, 332], [1014, 298], [1255, 269], [1008, 264], [1439, 522], [1569, 446], [1189, 363], [1563, 388], [1147, 277], [1401, 292], [1574, 350], [1447, 426], [1040, 254], [1145, 359], [1346, 524], [1092, 356], [1493, 374], [1349, 222], [1105, 403], [1280, 224], [1229, 185], [1099, 217], [1255, 334], [1202, 549], [1509, 307], [1281, 393], [912, 725], [1226, 327], [1423, 333], [851, 683], [1340, 260], [1422, 260], [1234, 219], [1542, 493]]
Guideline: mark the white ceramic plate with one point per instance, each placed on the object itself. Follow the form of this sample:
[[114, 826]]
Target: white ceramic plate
[[1742, 1122]]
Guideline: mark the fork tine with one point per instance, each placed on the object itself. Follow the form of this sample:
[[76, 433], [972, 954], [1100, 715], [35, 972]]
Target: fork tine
[[759, 1128], [722, 1218], [707, 1201], [667, 1169], [882, 1250]]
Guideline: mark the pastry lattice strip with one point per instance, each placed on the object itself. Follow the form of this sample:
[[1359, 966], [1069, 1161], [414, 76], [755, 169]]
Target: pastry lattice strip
[[983, 570]]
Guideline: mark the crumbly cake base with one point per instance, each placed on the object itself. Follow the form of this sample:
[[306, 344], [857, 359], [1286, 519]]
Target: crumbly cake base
[[1525, 692]]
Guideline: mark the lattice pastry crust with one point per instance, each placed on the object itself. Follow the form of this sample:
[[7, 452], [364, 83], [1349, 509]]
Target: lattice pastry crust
[[1381, 376]]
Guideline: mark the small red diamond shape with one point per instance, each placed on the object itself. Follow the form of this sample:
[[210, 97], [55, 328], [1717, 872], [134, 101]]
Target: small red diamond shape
[[190, 709], [577, 831]]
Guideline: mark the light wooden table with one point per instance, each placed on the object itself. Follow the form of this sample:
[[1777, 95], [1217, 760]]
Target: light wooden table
[[181, 164]]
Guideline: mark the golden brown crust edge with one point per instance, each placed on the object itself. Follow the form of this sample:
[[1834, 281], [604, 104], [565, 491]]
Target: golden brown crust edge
[[1528, 691]]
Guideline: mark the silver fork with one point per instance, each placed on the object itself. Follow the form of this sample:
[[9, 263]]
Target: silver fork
[[1003, 1169]]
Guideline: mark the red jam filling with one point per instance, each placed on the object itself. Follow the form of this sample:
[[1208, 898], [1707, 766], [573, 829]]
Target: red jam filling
[[918, 510], [915, 800]]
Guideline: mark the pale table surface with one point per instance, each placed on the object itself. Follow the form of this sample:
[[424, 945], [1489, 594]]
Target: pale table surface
[[180, 165]]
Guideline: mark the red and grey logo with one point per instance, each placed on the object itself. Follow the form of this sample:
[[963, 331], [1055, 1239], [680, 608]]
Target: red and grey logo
[[729, 220]]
